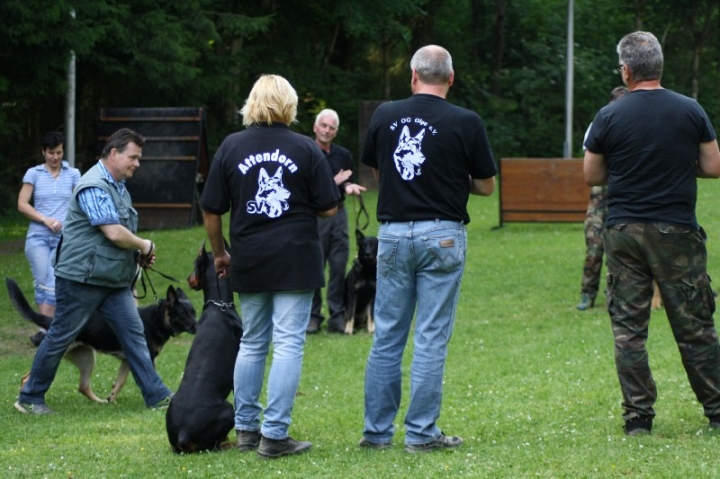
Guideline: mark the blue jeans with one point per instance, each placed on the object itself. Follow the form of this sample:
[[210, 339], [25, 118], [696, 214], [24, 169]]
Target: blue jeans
[[280, 318], [75, 303], [419, 264], [39, 249]]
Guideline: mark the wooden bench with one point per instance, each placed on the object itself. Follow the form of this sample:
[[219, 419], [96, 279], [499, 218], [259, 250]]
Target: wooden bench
[[542, 190]]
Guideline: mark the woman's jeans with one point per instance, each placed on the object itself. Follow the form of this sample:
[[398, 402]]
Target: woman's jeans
[[76, 302], [280, 318], [419, 264], [39, 249]]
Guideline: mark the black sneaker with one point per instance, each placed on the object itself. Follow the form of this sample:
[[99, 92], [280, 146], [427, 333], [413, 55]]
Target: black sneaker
[[313, 326], [38, 337], [273, 448], [336, 328], [374, 445], [638, 426], [247, 440], [715, 422], [442, 442]]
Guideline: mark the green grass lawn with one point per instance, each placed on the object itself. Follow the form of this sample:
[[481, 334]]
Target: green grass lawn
[[530, 381]]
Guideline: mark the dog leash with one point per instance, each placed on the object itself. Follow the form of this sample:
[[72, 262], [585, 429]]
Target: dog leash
[[220, 304], [363, 212], [142, 274]]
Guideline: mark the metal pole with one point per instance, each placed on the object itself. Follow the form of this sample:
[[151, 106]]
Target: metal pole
[[70, 108], [567, 150]]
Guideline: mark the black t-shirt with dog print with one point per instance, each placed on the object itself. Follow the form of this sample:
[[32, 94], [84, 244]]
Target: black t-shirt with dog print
[[273, 181], [425, 150]]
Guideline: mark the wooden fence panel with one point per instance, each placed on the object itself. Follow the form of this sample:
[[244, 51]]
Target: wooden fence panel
[[542, 190]]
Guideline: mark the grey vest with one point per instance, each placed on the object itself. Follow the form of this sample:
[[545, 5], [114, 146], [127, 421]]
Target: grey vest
[[84, 253]]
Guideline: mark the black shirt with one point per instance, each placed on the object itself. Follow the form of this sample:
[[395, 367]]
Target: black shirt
[[274, 181], [651, 141], [426, 150]]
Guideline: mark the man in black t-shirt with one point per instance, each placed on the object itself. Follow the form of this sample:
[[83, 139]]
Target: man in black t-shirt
[[334, 230], [649, 148], [430, 156]]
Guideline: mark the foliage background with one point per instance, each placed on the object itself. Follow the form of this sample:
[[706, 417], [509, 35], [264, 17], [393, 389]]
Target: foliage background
[[509, 58]]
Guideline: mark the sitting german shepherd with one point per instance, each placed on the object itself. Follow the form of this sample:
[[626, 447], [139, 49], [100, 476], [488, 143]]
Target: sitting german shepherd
[[200, 416], [360, 285], [169, 317]]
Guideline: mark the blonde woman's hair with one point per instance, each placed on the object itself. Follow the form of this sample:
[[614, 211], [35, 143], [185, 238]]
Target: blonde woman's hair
[[271, 100]]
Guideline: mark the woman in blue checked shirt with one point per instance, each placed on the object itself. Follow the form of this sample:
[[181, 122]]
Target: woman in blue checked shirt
[[44, 199]]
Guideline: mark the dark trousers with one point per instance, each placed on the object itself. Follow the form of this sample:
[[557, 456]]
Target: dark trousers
[[676, 258], [335, 244]]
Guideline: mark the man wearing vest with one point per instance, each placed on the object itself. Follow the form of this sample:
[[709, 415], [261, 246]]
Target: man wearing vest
[[95, 263]]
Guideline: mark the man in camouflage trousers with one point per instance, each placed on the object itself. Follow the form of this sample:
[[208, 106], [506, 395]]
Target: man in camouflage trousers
[[594, 224], [650, 147]]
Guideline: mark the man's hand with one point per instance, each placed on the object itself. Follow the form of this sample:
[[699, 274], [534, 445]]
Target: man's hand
[[147, 255], [222, 264], [354, 189], [342, 176]]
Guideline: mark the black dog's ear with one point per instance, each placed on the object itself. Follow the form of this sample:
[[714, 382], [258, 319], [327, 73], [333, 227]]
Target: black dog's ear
[[171, 294], [359, 236]]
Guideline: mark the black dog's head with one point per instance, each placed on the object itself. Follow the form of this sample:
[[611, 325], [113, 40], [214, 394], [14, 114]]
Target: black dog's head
[[204, 277], [367, 249], [179, 314]]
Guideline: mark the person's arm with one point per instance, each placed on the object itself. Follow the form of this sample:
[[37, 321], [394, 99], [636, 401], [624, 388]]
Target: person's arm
[[708, 165], [24, 207], [101, 212], [125, 239], [595, 169], [213, 228], [482, 186]]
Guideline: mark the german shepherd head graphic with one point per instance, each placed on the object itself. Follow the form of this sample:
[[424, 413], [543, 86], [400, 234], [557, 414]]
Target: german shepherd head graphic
[[408, 155], [271, 197]]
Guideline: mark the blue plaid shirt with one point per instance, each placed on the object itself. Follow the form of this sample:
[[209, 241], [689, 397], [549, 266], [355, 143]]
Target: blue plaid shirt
[[98, 205]]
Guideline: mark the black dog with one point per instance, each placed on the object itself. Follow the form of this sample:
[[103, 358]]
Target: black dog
[[360, 285], [200, 417], [169, 317]]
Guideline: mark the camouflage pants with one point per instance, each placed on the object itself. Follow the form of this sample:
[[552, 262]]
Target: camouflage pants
[[676, 258], [594, 224]]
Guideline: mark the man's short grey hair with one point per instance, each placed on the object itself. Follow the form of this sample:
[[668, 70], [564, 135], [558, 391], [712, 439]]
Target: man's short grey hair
[[433, 65], [328, 112], [642, 53]]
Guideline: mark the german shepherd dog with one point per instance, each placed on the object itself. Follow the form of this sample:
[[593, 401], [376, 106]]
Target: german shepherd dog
[[360, 285], [169, 317], [200, 416]]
